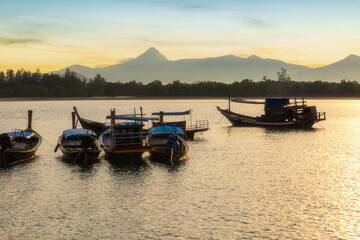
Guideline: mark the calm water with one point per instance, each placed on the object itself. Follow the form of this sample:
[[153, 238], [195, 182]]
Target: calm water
[[237, 182]]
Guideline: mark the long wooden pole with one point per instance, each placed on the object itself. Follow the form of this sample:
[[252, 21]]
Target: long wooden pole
[[141, 112], [229, 102], [112, 111], [161, 116], [29, 118], [73, 119]]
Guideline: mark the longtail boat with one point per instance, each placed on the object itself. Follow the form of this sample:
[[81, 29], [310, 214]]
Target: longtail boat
[[190, 130], [167, 144], [19, 145], [79, 145], [279, 112], [97, 127], [124, 138]]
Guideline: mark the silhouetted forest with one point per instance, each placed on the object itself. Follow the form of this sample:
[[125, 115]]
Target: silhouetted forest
[[34, 84]]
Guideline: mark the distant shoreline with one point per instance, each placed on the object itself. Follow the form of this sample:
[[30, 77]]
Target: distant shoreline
[[155, 98]]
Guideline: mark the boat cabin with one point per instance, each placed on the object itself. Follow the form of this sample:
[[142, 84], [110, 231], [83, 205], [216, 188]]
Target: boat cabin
[[284, 110]]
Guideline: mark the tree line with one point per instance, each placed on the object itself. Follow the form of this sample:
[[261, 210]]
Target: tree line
[[35, 84]]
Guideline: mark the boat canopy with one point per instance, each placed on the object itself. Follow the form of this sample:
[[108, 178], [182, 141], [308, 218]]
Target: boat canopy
[[25, 134], [276, 102], [239, 100], [132, 118], [166, 130], [76, 132], [172, 113]]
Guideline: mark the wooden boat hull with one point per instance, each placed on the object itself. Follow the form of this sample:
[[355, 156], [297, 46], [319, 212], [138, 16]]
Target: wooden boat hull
[[12, 156], [128, 145], [8, 158], [82, 157], [160, 153], [78, 155], [97, 127], [243, 120]]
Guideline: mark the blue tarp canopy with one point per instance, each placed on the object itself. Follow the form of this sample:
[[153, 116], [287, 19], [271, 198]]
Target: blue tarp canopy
[[70, 133], [129, 118], [25, 134], [172, 113], [165, 130], [276, 102]]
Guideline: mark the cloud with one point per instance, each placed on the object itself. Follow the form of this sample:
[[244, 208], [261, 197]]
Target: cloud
[[14, 41], [185, 5], [255, 22]]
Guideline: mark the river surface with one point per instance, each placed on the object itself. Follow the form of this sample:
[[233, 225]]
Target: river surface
[[237, 182]]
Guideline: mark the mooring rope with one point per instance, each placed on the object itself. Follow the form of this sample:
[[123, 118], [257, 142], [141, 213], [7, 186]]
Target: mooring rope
[[48, 143]]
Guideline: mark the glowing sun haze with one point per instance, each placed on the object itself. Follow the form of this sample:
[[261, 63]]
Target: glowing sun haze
[[53, 34]]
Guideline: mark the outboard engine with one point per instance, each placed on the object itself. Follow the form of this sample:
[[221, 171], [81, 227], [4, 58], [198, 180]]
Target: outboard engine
[[172, 143]]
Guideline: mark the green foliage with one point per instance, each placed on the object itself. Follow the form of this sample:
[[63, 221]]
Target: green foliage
[[27, 84]]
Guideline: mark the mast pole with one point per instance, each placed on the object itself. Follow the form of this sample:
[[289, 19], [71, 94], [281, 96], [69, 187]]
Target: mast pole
[[229, 101], [73, 119]]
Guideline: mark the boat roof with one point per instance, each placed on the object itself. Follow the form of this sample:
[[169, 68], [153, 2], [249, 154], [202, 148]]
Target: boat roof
[[132, 118], [172, 113], [239, 100], [166, 130], [78, 132], [25, 134]]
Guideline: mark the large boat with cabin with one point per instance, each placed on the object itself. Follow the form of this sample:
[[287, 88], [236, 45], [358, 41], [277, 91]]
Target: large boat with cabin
[[279, 112], [124, 138]]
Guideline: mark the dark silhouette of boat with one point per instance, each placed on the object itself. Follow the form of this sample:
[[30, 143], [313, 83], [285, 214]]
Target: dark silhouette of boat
[[279, 112], [19, 145]]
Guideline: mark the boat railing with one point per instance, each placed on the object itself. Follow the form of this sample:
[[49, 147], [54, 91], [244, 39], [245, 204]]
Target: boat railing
[[200, 124], [321, 116], [129, 138]]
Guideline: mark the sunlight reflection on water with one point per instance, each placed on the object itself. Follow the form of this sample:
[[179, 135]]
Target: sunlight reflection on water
[[237, 183]]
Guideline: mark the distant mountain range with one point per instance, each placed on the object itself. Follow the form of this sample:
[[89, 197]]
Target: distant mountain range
[[152, 65]]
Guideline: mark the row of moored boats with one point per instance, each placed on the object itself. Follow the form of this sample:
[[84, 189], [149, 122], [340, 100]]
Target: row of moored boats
[[124, 137]]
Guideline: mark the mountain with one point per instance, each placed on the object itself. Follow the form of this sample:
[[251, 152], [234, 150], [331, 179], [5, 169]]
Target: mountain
[[152, 65]]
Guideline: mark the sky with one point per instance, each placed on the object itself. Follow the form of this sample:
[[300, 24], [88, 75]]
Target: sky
[[53, 34]]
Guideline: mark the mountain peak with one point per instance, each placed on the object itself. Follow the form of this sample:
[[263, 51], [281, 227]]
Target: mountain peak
[[150, 57], [254, 57], [352, 57], [152, 50]]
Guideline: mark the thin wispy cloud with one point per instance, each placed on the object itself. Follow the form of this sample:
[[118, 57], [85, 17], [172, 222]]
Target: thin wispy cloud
[[255, 22], [14, 41]]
